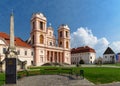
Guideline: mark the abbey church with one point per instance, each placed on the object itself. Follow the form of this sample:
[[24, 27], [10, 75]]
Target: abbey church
[[47, 48], [42, 46]]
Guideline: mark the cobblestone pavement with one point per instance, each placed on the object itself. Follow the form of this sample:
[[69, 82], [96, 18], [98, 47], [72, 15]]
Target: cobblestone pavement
[[56, 80]]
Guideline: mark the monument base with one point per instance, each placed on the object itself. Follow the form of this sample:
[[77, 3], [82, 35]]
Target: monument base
[[10, 76]]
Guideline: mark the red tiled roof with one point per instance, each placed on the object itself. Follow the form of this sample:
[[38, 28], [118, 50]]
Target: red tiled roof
[[82, 50], [18, 41]]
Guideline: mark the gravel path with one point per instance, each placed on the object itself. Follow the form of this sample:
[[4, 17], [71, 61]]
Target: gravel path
[[51, 80], [56, 80]]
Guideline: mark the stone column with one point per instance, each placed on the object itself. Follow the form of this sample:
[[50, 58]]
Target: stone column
[[59, 58], [50, 56], [53, 56]]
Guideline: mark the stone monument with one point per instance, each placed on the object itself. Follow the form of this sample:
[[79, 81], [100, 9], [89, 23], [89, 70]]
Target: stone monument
[[11, 56]]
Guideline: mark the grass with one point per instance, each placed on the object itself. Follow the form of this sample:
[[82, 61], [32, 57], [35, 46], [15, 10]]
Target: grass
[[2, 78], [102, 75], [97, 75]]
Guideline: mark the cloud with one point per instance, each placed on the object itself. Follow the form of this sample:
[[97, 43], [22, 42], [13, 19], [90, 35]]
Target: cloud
[[115, 46], [84, 36]]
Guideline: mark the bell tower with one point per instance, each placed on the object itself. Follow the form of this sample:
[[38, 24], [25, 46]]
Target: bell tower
[[64, 42], [64, 36], [38, 37]]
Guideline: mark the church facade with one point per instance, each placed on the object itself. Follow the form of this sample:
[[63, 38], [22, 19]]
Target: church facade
[[47, 48]]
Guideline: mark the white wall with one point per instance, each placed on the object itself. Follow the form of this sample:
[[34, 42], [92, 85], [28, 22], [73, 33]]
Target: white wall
[[108, 58], [88, 57]]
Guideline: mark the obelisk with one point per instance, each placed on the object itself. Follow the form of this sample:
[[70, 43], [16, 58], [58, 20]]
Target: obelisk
[[12, 44], [11, 57], [11, 52]]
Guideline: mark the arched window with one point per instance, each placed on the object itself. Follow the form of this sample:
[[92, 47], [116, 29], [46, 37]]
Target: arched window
[[67, 44], [33, 25], [60, 33], [41, 25], [41, 39], [66, 33]]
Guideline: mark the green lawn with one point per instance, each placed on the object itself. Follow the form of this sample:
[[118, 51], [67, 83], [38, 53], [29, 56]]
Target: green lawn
[[102, 75], [97, 75], [2, 78]]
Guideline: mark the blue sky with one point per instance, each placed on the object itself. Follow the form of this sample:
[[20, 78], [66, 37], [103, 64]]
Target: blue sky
[[100, 19]]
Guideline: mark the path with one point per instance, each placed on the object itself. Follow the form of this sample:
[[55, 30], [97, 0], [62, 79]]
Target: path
[[51, 80]]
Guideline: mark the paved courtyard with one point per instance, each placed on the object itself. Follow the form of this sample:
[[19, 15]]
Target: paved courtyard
[[56, 80]]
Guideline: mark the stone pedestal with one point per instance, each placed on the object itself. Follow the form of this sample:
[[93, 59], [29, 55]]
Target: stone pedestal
[[10, 71]]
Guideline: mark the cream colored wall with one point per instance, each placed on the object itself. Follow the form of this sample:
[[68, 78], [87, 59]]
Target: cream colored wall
[[85, 56], [67, 57]]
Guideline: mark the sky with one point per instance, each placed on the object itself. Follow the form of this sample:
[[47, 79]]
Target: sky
[[95, 23]]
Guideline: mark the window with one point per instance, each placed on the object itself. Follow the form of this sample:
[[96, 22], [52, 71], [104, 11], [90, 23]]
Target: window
[[25, 52], [60, 33], [18, 52], [60, 44], [111, 56], [105, 56], [41, 25], [50, 43], [4, 50], [33, 25], [50, 34], [41, 39], [66, 33], [31, 53], [67, 44], [41, 51]]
